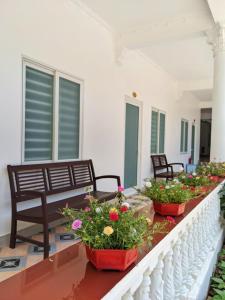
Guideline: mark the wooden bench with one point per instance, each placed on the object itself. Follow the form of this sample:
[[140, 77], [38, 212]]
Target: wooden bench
[[29, 182], [161, 168]]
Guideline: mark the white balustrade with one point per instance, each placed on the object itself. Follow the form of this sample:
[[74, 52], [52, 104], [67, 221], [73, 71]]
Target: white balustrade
[[156, 291], [168, 287], [177, 266]]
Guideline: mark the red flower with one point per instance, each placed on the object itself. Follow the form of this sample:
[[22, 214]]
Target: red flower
[[161, 187], [114, 216], [171, 220], [123, 208]]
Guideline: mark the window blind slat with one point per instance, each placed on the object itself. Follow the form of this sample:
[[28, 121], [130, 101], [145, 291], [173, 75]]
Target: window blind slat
[[69, 119], [38, 115], [154, 132]]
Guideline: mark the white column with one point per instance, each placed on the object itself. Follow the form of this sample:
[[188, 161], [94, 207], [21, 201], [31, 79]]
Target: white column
[[218, 107]]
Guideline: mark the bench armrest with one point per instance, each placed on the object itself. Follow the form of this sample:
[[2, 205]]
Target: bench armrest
[[109, 176]]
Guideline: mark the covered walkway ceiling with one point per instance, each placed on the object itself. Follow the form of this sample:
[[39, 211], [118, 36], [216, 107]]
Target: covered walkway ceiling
[[171, 33]]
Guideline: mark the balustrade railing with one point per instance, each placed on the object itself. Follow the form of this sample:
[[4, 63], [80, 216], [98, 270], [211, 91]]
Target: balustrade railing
[[180, 265]]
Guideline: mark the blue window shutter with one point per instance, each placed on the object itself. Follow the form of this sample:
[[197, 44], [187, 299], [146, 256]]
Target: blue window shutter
[[154, 132], [162, 132], [38, 115], [182, 137], [69, 119], [186, 137]]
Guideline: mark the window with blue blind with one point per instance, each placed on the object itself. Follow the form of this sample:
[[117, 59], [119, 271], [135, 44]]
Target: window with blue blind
[[52, 116], [158, 120], [69, 119], [184, 136]]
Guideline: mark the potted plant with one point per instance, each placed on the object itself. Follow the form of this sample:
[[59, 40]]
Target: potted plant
[[212, 169], [198, 184], [194, 179], [111, 233], [169, 198]]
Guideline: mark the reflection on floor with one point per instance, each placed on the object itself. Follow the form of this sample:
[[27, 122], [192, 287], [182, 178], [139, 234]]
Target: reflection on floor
[[26, 255]]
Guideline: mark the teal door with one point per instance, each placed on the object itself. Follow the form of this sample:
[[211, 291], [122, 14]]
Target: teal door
[[193, 143], [131, 145]]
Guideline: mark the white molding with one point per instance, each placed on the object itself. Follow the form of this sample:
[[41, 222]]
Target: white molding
[[91, 13], [175, 28]]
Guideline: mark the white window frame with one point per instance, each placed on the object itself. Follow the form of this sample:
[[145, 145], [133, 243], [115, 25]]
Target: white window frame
[[158, 131], [26, 62], [184, 137]]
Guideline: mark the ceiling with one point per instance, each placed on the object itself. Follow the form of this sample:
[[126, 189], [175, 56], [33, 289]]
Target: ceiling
[[203, 95], [188, 59], [171, 33]]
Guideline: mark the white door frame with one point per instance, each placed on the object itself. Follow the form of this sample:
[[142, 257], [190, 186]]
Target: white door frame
[[139, 104]]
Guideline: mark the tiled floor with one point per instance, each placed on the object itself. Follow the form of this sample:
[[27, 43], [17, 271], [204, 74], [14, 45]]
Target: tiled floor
[[25, 255]]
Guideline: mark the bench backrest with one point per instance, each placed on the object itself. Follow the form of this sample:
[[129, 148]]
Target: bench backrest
[[159, 162], [52, 178]]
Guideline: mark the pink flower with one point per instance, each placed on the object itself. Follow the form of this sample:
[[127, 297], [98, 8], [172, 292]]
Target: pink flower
[[77, 224], [120, 188], [190, 176], [171, 220], [87, 209]]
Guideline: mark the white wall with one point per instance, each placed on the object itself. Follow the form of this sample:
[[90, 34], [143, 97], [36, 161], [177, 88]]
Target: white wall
[[59, 34]]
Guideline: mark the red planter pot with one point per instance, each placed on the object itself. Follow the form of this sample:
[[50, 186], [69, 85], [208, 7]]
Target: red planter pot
[[110, 259], [169, 209], [214, 178]]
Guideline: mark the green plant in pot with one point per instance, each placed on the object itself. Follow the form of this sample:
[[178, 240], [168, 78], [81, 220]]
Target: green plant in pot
[[169, 198], [212, 169], [111, 233], [194, 179]]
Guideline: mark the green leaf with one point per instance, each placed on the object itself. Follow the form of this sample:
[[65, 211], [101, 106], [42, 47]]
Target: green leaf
[[218, 280], [217, 297], [221, 293], [221, 286]]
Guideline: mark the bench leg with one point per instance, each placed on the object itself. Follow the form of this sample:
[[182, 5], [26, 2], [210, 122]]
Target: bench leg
[[46, 240], [12, 243]]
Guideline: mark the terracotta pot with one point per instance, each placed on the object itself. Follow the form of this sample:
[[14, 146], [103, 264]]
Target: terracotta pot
[[169, 209], [111, 259]]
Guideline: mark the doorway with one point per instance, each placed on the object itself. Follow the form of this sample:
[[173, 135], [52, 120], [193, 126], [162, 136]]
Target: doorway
[[193, 143], [132, 142], [205, 134]]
